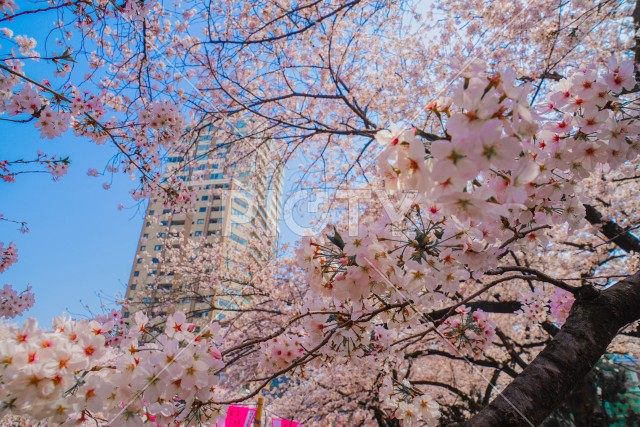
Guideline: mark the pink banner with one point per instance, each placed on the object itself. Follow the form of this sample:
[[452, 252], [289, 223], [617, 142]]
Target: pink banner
[[238, 416], [279, 422]]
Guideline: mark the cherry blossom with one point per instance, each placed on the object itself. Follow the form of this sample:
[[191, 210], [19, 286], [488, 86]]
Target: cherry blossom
[[504, 159], [71, 373], [469, 333], [52, 123], [8, 256], [13, 304]]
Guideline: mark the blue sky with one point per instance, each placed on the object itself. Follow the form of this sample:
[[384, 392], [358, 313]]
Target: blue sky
[[79, 242]]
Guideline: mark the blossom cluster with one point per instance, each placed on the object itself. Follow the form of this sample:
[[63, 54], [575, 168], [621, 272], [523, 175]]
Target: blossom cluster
[[8, 256], [71, 375], [560, 305], [51, 118], [534, 306], [383, 338], [160, 126], [27, 100], [281, 351], [52, 123], [408, 404], [359, 339], [5, 176], [26, 46], [495, 175], [537, 306], [8, 6], [86, 103], [57, 167], [163, 115], [13, 304], [468, 333], [112, 326]]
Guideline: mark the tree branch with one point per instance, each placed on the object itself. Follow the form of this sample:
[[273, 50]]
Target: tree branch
[[621, 237], [583, 339]]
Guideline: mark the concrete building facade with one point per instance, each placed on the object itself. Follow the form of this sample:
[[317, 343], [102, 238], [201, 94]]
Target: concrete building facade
[[234, 216]]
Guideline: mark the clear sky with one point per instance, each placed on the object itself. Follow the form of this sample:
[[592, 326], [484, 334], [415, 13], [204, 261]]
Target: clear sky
[[79, 242]]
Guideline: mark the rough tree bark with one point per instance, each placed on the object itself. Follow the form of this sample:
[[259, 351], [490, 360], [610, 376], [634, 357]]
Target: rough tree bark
[[595, 319]]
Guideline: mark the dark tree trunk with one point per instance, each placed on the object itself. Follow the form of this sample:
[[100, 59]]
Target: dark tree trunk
[[595, 319], [584, 405]]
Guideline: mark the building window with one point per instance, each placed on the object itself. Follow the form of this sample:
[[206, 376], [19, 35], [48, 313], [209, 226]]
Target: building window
[[165, 223], [198, 233], [145, 236], [154, 260], [162, 235], [166, 211], [157, 247], [147, 224], [200, 221], [214, 166], [136, 273], [235, 212], [146, 300], [205, 197], [151, 212], [215, 176], [238, 239], [126, 314], [139, 261], [143, 248], [240, 202], [202, 209], [133, 287], [203, 314], [217, 208]]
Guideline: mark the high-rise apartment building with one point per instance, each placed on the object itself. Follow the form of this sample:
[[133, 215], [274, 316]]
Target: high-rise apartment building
[[197, 259]]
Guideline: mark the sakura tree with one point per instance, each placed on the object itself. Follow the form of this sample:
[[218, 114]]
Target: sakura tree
[[488, 152]]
